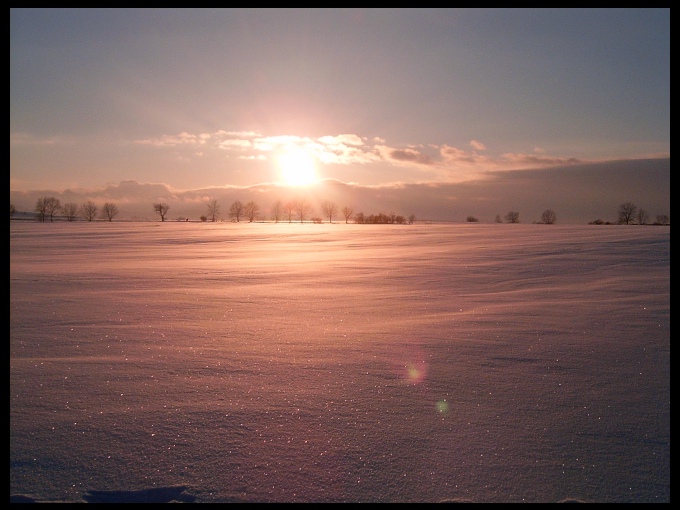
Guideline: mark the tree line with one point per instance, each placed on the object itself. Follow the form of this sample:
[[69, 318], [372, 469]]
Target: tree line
[[49, 207], [301, 210]]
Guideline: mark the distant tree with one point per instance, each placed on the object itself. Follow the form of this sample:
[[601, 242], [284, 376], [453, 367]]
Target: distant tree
[[411, 219], [596, 222], [662, 219], [88, 210], [359, 218], [236, 211], [548, 217], [213, 210], [289, 210], [161, 209], [12, 210], [41, 209], [642, 217], [251, 210], [53, 207], [329, 209], [109, 211], [512, 217], [379, 219], [347, 213], [303, 209], [471, 219], [203, 218], [47, 206], [499, 219], [70, 211], [627, 213], [277, 211], [317, 219]]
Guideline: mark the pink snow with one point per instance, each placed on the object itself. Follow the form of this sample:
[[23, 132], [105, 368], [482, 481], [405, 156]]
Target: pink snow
[[261, 362]]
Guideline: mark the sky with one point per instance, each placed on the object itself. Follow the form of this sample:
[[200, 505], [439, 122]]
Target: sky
[[269, 362], [455, 102]]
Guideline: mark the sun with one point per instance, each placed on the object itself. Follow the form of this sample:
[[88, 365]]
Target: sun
[[297, 167]]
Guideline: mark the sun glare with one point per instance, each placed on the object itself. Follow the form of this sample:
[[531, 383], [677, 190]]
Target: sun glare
[[297, 167]]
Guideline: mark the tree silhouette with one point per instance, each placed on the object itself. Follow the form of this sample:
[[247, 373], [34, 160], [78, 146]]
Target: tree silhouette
[[88, 210], [512, 217], [12, 210], [213, 210], [548, 217], [303, 209], [289, 210], [251, 210], [70, 211], [109, 211], [347, 213], [627, 213], [642, 217], [161, 209], [662, 219], [277, 211], [329, 209], [47, 206], [236, 211]]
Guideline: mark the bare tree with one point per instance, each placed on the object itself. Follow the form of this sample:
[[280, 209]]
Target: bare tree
[[47, 206], [347, 213], [277, 211], [642, 217], [303, 209], [499, 219], [548, 217], [161, 209], [512, 217], [662, 219], [213, 210], [236, 211], [411, 219], [12, 210], [70, 211], [329, 209], [109, 211], [88, 210], [627, 213], [289, 210], [251, 210], [53, 207], [41, 209]]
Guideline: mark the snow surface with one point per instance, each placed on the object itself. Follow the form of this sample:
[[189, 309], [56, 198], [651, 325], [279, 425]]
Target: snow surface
[[222, 362]]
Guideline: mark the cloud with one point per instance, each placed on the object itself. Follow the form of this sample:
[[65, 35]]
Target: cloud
[[346, 139], [478, 146], [238, 144], [182, 138], [442, 163], [408, 156], [518, 161]]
